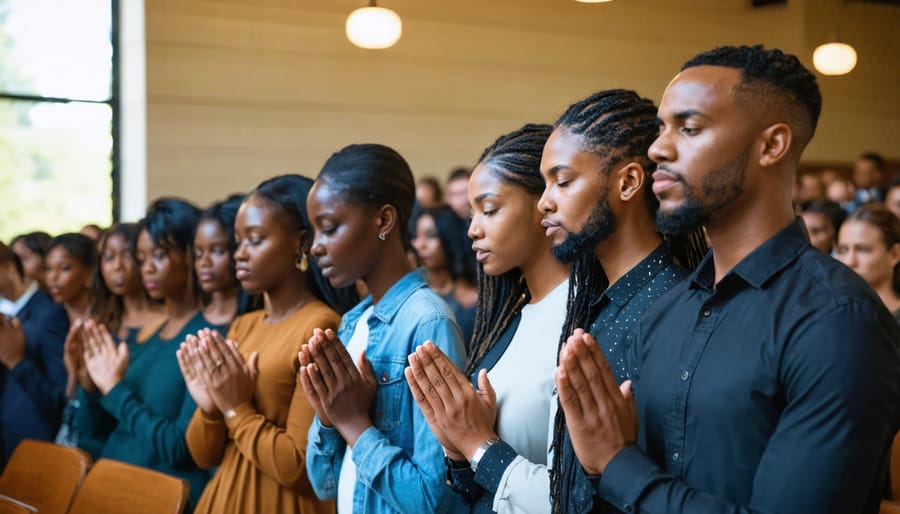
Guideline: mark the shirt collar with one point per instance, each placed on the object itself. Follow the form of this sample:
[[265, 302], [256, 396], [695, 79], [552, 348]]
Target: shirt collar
[[637, 277], [762, 263], [22, 300], [393, 299]]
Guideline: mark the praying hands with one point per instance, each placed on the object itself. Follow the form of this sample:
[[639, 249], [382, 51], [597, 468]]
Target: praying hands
[[339, 392], [600, 414], [104, 360], [461, 417], [216, 375]]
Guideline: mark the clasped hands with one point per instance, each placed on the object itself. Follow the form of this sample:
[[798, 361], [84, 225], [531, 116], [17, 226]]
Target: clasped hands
[[460, 417], [12, 342], [340, 392], [600, 415], [103, 362], [215, 373]]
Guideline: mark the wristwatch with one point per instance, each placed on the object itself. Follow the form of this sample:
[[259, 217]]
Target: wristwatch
[[479, 453]]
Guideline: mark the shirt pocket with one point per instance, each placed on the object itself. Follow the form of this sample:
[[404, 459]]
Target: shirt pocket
[[388, 408]]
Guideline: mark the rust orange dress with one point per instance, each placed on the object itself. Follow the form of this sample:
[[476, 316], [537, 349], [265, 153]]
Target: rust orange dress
[[261, 451]]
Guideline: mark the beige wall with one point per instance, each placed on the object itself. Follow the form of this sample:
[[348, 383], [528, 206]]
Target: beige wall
[[239, 90]]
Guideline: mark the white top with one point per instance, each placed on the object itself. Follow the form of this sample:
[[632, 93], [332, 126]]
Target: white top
[[347, 480], [523, 381]]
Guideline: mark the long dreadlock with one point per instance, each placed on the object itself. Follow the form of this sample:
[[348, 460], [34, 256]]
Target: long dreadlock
[[515, 159], [619, 126]]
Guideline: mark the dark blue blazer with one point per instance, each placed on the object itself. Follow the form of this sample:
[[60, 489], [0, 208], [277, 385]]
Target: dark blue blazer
[[33, 394]]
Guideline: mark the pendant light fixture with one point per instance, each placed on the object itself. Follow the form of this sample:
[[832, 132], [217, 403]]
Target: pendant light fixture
[[834, 57], [374, 27]]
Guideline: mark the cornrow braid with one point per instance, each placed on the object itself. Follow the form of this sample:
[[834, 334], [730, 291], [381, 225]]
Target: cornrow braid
[[619, 126], [515, 158]]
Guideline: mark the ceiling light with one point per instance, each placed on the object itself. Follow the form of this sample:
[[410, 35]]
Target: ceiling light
[[373, 27]]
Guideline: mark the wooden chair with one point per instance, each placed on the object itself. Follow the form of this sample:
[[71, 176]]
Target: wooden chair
[[12, 506], [892, 506], [44, 475], [113, 487]]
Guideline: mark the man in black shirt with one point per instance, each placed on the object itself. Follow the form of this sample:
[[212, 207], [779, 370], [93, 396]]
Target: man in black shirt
[[769, 381]]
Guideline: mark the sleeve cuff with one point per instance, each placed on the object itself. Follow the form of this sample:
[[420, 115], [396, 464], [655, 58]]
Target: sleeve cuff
[[626, 478], [327, 439], [493, 464], [115, 399], [23, 369], [461, 479], [365, 448], [240, 414]]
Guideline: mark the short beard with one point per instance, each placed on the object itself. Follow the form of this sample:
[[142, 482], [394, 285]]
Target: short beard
[[721, 187], [599, 226]]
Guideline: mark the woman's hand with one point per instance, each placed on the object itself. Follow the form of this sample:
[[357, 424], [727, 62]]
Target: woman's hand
[[189, 362], [105, 362], [73, 360], [343, 392], [465, 418], [229, 380]]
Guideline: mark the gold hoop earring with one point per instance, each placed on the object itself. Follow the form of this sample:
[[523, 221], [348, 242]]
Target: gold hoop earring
[[302, 262], [382, 236]]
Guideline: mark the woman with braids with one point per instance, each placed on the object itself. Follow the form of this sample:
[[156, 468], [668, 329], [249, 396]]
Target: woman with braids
[[253, 416], [369, 445], [496, 438], [869, 242], [446, 254]]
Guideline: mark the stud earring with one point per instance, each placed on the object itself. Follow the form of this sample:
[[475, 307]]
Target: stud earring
[[382, 236], [302, 262]]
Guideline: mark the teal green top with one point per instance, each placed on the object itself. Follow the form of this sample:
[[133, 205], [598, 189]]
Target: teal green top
[[151, 409]]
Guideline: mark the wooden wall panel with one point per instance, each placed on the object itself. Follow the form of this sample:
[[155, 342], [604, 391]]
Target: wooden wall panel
[[239, 90]]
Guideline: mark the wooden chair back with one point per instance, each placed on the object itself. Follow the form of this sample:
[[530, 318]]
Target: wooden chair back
[[113, 487], [44, 475]]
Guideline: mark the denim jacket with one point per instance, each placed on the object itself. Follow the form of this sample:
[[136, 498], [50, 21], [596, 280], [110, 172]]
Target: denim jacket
[[399, 462]]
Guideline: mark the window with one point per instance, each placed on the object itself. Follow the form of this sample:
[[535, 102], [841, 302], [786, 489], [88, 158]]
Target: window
[[58, 110]]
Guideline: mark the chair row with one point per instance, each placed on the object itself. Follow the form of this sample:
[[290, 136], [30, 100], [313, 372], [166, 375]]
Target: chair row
[[46, 478]]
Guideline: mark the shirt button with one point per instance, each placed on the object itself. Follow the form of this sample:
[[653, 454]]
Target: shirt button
[[628, 507], [675, 456], [706, 313], [685, 375]]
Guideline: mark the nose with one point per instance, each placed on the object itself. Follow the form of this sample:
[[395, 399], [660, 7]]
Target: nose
[[317, 249], [147, 267], [204, 260], [661, 150], [240, 253], [474, 231], [545, 203]]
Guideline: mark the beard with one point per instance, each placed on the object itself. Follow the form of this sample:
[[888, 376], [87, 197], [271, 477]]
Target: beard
[[721, 187], [599, 226]]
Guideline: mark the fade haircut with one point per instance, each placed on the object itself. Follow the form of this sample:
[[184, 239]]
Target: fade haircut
[[771, 78]]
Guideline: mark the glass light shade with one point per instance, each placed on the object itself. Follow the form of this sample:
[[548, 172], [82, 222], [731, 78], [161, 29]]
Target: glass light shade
[[374, 27], [834, 58]]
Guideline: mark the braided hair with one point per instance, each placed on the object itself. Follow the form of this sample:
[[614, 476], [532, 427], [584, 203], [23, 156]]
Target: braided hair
[[619, 126], [515, 159]]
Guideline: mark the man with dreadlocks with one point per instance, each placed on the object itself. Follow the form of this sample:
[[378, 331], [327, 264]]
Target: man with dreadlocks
[[599, 212], [767, 381]]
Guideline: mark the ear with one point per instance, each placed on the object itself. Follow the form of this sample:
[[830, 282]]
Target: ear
[[895, 253], [387, 219], [775, 143], [628, 181], [304, 241]]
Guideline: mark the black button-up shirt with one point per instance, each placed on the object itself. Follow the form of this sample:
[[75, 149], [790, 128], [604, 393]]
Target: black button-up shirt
[[776, 390]]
